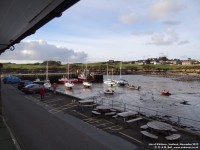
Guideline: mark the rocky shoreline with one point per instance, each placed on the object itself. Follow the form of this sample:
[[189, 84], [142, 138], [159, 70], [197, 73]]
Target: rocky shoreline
[[178, 76]]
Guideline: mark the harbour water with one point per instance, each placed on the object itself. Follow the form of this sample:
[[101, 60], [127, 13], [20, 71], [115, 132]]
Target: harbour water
[[149, 100]]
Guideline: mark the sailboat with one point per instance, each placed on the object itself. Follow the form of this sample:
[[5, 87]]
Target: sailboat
[[86, 84], [68, 84], [65, 79], [121, 82], [110, 82], [46, 83], [71, 80], [86, 77]]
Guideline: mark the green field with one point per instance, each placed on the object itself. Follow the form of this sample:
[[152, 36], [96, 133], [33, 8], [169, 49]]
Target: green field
[[100, 66]]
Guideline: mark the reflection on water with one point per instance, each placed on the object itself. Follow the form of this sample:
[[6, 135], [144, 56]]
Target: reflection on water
[[149, 96]]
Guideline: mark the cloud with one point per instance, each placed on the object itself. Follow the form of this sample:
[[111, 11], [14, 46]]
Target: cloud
[[140, 33], [171, 22], [183, 42], [115, 26], [129, 18], [164, 8], [184, 56], [167, 37], [39, 51]]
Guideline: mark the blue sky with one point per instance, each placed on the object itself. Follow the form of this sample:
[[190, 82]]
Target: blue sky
[[124, 30]]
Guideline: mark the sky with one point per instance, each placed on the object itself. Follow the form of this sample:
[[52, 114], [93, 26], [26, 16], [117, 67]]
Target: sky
[[121, 30]]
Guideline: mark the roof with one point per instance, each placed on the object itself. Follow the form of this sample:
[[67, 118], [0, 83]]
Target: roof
[[21, 18]]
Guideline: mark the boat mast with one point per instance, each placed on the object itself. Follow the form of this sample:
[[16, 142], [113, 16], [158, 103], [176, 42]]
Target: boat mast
[[120, 70], [68, 70], [86, 72], [112, 73], [107, 71], [47, 70]]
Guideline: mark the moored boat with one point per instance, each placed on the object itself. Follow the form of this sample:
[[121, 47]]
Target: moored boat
[[110, 82], [63, 80], [67, 79], [86, 76], [122, 82], [45, 83], [108, 91], [165, 92], [133, 87], [73, 80], [87, 84], [69, 85]]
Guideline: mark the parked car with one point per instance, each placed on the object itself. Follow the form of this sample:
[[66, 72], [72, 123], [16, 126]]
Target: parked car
[[32, 88], [11, 79], [24, 83]]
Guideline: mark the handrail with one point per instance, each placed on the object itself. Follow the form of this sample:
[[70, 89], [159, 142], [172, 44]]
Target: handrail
[[125, 107]]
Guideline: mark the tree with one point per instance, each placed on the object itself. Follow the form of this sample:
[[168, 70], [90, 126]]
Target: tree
[[163, 58]]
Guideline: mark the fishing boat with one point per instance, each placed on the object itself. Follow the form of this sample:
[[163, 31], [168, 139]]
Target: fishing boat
[[108, 91], [165, 92]]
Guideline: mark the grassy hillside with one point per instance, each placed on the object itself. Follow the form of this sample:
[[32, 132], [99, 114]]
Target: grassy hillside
[[101, 66]]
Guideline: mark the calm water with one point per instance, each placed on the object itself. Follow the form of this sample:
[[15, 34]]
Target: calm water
[[149, 96]]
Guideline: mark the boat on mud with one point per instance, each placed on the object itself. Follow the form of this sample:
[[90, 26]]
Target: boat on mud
[[87, 84], [108, 91], [165, 92], [69, 85], [133, 87]]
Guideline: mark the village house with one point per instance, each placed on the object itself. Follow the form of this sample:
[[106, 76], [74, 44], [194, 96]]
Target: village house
[[187, 62]]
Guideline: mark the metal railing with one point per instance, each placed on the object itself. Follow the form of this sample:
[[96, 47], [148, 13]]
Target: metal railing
[[187, 123]]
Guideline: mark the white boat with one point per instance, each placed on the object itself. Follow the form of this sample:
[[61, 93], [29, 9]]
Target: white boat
[[67, 79], [87, 84], [69, 85], [121, 82], [134, 87], [110, 82], [46, 83], [86, 76], [108, 91]]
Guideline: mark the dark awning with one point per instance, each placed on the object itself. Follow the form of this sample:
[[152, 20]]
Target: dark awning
[[21, 18]]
